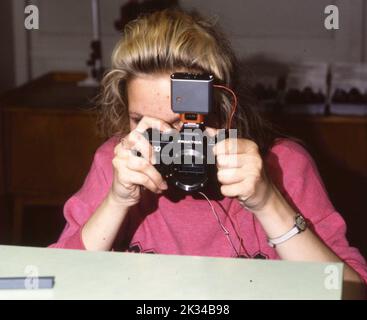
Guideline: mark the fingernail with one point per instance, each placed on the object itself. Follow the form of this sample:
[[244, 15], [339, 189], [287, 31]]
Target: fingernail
[[163, 185]]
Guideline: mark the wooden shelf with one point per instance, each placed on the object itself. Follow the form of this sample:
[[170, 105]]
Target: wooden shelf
[[48, 141]]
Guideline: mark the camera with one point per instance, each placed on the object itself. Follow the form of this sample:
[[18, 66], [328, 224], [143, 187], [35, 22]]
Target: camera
[[185, 158]]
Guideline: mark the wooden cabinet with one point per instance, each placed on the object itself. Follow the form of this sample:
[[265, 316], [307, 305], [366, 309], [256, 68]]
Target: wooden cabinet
[[332, 140], [48, 141], [49, 152]]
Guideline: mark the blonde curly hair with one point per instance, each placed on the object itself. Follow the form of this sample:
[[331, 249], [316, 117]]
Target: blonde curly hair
[[164, 42]]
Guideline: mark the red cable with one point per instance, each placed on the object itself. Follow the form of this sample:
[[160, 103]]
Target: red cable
[[234, 104]]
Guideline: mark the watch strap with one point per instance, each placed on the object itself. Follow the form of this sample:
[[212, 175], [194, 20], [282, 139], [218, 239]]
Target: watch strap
[[275, 241], [299, 226]]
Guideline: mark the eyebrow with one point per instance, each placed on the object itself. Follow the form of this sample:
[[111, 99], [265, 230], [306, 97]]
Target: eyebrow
[[138, 116]]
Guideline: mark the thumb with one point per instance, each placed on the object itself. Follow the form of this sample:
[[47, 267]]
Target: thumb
[[211, 131]]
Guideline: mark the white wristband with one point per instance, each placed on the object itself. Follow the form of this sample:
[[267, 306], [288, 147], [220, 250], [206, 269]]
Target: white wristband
[[275, 241], [299, 226]]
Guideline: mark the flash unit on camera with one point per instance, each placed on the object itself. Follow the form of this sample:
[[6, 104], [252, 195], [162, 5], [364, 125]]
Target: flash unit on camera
[[191, 93]]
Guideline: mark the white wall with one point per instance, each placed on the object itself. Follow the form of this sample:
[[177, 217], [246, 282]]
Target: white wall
[[289, 29], [281, 30]]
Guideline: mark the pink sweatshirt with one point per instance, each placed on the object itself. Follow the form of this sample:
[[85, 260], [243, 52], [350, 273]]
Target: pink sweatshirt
[[189, 227]]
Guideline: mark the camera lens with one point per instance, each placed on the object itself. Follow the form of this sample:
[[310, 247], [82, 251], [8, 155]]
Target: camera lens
[[189, 171]]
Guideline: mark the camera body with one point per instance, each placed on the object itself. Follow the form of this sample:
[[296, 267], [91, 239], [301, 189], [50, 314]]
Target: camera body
[[185, 158]]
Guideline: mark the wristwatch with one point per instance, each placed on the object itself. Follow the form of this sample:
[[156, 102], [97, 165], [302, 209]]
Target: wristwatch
[[299, 226]]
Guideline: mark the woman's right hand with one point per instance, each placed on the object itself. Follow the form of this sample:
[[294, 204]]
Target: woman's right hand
[[132, 172]]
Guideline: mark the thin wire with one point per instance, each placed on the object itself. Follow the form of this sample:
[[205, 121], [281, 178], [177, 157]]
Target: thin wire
[[226, 232], [236, 227], [234, 104]]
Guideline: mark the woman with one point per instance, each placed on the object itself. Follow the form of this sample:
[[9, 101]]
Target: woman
[[268, 182]]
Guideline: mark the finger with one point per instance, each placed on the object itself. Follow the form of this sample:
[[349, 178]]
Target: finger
[[130, 145], [149, 122], [143, 166], [233, 146], [121, 151], [231, 190], [249, 162], [131, 177], [230, 160], [178, 125], [245, 188], [211, 131], [230, 176], [227, 146], [136, 141]]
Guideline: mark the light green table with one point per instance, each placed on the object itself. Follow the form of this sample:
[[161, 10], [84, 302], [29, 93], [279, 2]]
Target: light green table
[[114, 275]]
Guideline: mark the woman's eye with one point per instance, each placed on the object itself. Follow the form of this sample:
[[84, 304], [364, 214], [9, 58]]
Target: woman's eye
[[136, 120]]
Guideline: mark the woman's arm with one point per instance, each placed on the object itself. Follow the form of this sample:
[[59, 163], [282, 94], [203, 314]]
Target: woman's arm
[[241, 173], [95, 214], [100, 231], [131, 172], [277, 217]]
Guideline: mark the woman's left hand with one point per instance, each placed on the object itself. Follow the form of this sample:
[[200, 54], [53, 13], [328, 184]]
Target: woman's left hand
[[241, 172]]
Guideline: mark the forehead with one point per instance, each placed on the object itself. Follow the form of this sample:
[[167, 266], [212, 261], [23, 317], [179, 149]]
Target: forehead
[[149, 93]]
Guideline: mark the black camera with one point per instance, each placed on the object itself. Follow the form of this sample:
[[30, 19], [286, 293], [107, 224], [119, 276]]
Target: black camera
[[185, 158]]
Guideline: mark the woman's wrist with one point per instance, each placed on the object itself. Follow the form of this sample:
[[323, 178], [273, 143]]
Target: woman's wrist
[[276, 215], [112, 200], [101, 229]]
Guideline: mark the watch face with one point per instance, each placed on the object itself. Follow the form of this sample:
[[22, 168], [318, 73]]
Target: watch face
[[301, 223]]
